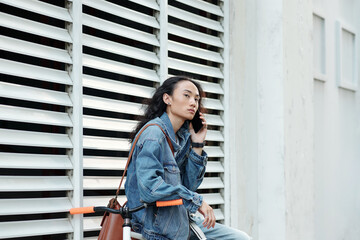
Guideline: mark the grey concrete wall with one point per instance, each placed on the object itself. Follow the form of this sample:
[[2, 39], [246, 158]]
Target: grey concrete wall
[[337, 136], [295, 140]]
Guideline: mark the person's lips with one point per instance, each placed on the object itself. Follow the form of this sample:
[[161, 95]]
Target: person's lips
[[192, 111]]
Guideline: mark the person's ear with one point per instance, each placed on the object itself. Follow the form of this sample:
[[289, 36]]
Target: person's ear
[[167, 99]]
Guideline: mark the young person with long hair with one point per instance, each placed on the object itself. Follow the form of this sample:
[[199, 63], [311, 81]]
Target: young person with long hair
[[156, 173]]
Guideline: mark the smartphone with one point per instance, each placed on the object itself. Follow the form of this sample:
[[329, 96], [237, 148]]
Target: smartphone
[[197, 122]]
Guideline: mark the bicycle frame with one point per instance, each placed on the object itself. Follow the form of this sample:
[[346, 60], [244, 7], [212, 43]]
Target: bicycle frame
[[125, 212]]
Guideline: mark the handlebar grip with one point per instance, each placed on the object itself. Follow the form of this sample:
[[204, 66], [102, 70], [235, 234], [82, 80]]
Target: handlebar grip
[[82, 210], [174, 202]]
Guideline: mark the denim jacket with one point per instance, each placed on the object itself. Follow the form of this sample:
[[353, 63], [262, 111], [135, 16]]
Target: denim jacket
[[155, 174]]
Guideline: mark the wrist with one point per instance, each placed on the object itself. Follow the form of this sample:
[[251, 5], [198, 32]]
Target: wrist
[[197, 144]]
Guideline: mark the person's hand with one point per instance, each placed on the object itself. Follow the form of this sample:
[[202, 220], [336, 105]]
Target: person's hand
[[199, 137], [208, 214]]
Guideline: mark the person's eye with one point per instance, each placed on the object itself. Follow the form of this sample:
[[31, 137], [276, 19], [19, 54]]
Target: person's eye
[[186, 95], [197, 99]]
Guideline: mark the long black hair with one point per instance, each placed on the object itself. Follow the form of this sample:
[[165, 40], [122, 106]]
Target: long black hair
[[156, 106]]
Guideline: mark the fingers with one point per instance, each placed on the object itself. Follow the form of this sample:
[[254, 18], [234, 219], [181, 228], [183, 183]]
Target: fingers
[[191, 128], [202, 117], [210, 219], [208, 213]]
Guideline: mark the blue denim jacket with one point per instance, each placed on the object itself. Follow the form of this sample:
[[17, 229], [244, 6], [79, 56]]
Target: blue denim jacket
[[155, 174]]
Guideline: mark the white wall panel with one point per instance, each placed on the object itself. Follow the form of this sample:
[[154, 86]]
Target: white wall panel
[[120, 30], [41, 8], [25, 25], [35, 161], [37, 119], [197, 36], [125, 12], [35, 50], [121, 68], [34, 228], [119, 48], [62, 84], [28, 115], [34, 72], [34, 205]]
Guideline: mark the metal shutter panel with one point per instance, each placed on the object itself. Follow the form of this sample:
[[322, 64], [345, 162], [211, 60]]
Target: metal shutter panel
[[120, 61], [50, 71], [37, 122], [195, 47]]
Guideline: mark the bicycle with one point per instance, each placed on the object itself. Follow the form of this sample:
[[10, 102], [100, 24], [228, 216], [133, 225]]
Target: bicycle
[[126, 212]]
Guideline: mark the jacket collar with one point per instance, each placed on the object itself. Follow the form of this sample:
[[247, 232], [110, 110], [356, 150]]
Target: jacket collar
[[183, 132]]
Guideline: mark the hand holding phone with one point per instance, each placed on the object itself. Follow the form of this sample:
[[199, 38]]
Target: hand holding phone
[[197, 122]]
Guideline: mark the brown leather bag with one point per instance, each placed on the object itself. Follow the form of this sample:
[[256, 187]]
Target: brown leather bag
[[111, 224]]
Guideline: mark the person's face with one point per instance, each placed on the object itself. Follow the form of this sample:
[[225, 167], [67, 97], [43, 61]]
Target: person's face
[[184, 102]]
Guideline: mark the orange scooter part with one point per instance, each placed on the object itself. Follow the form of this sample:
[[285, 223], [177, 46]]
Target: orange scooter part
[[82, 210], [169, 203]]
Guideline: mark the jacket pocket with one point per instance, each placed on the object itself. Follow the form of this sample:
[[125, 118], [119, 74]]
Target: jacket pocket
[[172, 174]]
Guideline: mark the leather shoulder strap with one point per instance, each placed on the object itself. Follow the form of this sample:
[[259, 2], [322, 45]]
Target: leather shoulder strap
[[133, 147]]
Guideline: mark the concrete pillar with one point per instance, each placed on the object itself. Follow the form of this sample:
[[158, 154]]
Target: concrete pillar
[[271, 93]]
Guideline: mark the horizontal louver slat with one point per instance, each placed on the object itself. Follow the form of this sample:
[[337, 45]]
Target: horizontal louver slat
[[194, 35], [35, 50], [121, 49], [211, 103], [34, 205], [120, 30], [117, 86], [213, 135], [34, 228], [102, 200], [213, 198], [195, 68], [195, 19], [121, 68], [211, 87], [110, 124], [36, 28], [214, 151], [34, 72], [95, 182], [34, 161], [204, 6], [34, 183], [106, 143], [30, 115], [211, 183], [104, 163], [112, 105], [215, 120], [148, 3], [21, 92], [41, 8], [34, 139], [125, 12], [194, 51], [214, 166]]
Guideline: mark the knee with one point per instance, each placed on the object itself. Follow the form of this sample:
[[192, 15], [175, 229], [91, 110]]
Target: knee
[[242, 236]]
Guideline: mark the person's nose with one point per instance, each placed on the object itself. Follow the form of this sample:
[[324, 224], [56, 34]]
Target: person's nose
[[192, 102]]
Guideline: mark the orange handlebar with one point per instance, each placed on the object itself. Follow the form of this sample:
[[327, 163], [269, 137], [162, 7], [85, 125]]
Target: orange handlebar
[[169, 203], [82, 210]]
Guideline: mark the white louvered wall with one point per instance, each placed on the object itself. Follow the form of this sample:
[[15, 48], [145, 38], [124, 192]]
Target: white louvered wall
[[59, 85], [37, 142], [195, 47]]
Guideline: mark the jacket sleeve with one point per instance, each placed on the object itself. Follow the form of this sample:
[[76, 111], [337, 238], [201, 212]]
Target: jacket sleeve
[[151, 184], [194, 169]]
